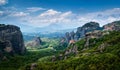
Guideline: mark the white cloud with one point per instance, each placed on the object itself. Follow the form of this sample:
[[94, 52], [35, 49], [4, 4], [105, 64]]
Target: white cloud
[[1, 13], [34, 9], [102, 17], [50, 17], [66, 14], [69, 19], [3, 2], [19, 14], [49, 12], [66, 19]]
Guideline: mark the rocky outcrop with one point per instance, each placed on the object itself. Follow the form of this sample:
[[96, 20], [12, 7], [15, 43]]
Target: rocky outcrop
[[70, 51], [102, 47], [90, 32], [95, 34], [72, 35], [114, 26], [88, 27], [11, 40], [81, 31], [67, 37], [35, 42], [32, 66]]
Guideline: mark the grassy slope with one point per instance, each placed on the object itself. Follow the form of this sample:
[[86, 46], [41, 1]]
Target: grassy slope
[[90, 59], [32, 55], [16, 62]]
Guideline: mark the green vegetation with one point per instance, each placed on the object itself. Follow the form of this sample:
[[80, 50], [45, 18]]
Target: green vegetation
[[89, 59], [31, 56], [53, 42], [92, 62], [46, 42]]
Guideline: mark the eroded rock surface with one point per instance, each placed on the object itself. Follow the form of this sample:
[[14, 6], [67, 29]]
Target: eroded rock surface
[[11, 40]]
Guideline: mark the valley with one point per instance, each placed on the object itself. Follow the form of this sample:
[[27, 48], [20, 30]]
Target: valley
[[89, 48]]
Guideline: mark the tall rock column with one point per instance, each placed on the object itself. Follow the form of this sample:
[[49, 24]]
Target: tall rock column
[[11, 39]]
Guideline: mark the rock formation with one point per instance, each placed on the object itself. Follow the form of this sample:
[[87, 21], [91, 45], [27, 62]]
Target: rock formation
[[89, 32], [95, 34], [81, 31], [35, 42], [11, 40], [72, 35], [67, 37], [88, 27], [114, 26]]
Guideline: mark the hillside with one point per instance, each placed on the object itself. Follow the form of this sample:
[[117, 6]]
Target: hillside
[[104, 54]]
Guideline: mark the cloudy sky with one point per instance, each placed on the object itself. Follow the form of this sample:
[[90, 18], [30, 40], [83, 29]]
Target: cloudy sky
[[58, 14]]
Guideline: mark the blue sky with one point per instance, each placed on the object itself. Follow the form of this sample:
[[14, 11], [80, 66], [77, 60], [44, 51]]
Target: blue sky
[[59, 14], [66, 5]]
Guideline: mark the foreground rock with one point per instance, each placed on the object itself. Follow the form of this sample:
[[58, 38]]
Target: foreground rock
[[11, 40]]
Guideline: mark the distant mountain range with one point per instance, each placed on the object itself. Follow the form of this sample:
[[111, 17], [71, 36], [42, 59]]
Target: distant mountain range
[[47, 29]]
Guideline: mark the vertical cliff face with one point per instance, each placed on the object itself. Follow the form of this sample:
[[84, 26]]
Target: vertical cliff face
[[67, 37], [81, 31], [88, 27], [11, 40]]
